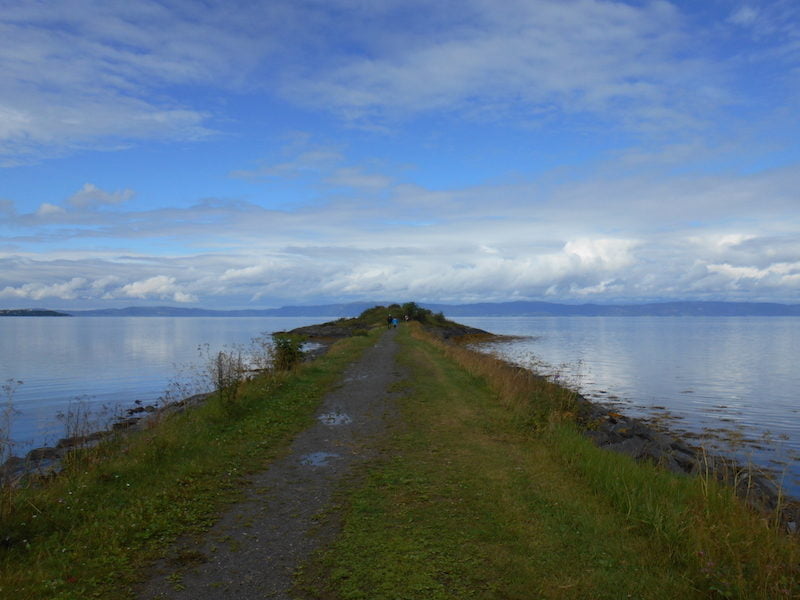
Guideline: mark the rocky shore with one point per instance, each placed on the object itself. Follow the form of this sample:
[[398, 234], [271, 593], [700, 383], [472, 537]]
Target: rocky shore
[[45, 461], [604, 426], [611, 430], [640, 440]]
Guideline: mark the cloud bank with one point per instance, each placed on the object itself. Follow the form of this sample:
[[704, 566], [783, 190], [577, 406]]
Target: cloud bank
[[589, 150], [618, 240]]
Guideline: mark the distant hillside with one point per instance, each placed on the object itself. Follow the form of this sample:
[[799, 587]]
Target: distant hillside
[[659, 309], [328, 310], [30, 312], [485, 309]]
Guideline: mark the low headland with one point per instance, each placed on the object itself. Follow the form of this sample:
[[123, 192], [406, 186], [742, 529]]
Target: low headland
[[31, 312], [492, 483]]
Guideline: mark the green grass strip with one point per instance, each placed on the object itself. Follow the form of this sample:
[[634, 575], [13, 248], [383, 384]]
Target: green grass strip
[[473, 502], [92, 531]]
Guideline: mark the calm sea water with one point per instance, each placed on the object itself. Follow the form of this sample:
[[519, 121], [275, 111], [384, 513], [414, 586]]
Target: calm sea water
[[718, 377], [723, 378], [108, 363]]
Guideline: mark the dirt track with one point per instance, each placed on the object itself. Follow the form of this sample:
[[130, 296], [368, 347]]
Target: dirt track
[[254, 549]]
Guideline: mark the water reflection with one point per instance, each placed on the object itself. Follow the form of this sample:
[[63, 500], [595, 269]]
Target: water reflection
[[318, 459], [108, 361], [735, 378], [335, 418]]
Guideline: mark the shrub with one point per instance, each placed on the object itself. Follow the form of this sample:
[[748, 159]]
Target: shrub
[[286, 351], [227, 371]]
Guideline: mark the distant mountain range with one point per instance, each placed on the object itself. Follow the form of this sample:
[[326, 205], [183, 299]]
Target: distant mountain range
[[326, 310], [658, 309], [485, 309]]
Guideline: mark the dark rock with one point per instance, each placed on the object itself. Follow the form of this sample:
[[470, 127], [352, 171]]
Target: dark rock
[[686, 460], [621, 428], [635, 447], [44, 453], [13, 464], [196, 399], [455, 330], [124, 424], [672, 465], [71, 442], [11, 470], [599, 437], [81, 440]]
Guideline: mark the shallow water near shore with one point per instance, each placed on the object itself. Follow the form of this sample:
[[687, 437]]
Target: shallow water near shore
[[730, 383], [107, 364]]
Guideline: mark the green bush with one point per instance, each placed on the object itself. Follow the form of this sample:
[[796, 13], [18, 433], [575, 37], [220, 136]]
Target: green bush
[[286, 351]]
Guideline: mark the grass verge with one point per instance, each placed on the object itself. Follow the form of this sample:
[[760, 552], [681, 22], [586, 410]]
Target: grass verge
[[489, 492], [89, 532]]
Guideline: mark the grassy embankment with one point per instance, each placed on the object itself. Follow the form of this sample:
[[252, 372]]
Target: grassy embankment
[[89, 532], [489, 491]]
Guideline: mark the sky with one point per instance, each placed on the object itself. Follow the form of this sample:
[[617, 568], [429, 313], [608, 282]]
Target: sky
[[234, 154]]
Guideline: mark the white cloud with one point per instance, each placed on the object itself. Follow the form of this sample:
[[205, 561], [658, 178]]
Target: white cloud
[[159, 286], [353, 177], [778, 270], [90, 195], [612, 237], [105, 282], [527, 59], [670, 265], [37, 291], [78, 73], [48, 210], [602, 253], [744, 15], [307, 162]]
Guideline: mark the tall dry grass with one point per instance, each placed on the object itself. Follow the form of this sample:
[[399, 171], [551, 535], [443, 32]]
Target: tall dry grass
[[535, 401], [728, 548]]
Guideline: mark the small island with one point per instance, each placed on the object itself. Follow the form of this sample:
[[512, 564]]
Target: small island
[[30, 312]]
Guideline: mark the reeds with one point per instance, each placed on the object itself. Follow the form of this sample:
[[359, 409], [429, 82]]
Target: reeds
[[536, 401], [87, 531], [8, 388]]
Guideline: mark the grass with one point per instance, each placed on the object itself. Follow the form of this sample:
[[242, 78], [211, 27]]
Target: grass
[[89, 532], [486, 489], [489, 491]]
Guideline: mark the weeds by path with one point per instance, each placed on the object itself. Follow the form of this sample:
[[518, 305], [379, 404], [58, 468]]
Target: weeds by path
[[88, 533]]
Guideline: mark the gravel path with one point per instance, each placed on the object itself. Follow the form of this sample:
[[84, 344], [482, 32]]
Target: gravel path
[[254, 549]]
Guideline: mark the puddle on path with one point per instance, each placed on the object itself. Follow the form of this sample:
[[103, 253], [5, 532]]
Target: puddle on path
[[318, 459], [355, 378], [335, 418]]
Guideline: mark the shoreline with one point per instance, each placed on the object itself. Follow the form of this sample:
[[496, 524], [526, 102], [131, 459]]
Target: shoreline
[[486, 483], [607, 427], [45, 461]]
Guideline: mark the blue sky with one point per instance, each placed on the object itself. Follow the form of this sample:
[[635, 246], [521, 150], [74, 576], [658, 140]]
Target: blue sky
[[256, 154]]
